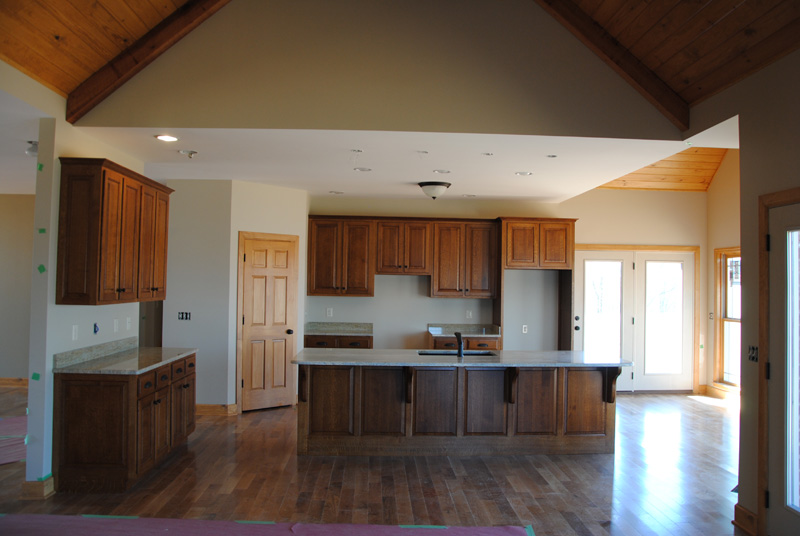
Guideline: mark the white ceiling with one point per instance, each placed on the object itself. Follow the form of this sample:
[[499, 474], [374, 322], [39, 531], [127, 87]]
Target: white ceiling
[[323, 161]]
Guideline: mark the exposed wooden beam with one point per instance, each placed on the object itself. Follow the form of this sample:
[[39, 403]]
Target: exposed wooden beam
[[138, 56], [620, 59]]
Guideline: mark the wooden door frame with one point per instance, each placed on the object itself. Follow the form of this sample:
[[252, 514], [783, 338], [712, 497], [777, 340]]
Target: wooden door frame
[[243, 236], [698, 314], [766, 202]]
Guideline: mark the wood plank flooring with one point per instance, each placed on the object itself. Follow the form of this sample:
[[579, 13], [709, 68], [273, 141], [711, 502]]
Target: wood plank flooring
[[675, 464]]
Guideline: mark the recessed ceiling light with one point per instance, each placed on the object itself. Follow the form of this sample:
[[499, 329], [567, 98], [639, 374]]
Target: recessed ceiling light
[[362, 169], [487, 154], [166, 137], [356, 151], [552, 156], [441, 171], [523, 173], [334, 192], [470, 195], [422, 152]]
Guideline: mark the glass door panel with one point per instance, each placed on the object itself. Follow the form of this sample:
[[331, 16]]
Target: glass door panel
[[663, 332]]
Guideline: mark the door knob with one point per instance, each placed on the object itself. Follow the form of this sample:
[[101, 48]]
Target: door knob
[[289, 331]]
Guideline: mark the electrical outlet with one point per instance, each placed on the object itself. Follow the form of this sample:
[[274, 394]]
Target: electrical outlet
[[116, 325], [128, 324], [74, 332], [329, 312], [524, 328], [469, 313]]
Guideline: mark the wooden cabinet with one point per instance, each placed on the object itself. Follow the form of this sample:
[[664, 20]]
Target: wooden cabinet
[[112, 429], [538, 243], [470, 343], [405, 247], [465, 260], [111, 234], [341, 257], [338, 341]]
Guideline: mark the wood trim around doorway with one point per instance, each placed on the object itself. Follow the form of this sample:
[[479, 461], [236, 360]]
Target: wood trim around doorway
[[766, 202], [698, 313], [246, 235]]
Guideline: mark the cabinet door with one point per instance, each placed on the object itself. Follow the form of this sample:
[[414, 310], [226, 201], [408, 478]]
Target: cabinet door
[[145, 429], [183, 408], [110, 232], [129, 240], [160, 246], [488, 343], [522, 245], [352, 341], [390, 248], [448, 265], [556, 250], [324, 257], [358, 254], [481, 260], [162, 439], [417, 248], [153, 244]]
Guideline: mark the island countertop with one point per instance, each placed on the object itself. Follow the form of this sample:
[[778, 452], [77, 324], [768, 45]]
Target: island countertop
[[133, 361], [448, 358]]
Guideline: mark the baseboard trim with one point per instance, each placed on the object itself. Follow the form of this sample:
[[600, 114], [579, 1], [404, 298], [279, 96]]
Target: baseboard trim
[[14, 382], [38, 490], [216, 410], [745, 520], [722, 391]]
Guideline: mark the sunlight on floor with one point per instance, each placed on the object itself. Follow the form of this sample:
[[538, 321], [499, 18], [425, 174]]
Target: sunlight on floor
[[731, 403]]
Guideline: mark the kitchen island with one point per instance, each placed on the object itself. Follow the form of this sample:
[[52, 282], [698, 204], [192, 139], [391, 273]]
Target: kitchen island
[[432, 402]]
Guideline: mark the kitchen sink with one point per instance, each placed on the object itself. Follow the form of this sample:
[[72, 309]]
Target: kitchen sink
[[454, 352]]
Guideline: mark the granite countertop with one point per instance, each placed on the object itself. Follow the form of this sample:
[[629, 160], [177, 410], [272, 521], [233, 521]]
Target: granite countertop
[[338, 328], [131, 361], [468, 330], [411, 358]]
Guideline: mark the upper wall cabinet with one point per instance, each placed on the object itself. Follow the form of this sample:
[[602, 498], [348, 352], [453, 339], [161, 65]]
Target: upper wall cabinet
[[112, 234], [538, 243], [404, 247], [464, 260], [341, 257]]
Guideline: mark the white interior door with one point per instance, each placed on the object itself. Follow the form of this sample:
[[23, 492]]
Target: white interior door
[[638, 305], [783, 399]]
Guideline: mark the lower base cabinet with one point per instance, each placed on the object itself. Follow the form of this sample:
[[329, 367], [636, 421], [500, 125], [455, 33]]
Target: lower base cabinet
[[111, 430], [462, 411]]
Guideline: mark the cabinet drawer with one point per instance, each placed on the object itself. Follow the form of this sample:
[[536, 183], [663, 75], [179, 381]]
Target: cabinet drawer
[[481, 344], [163, 376], [320, 341], [445, 343], [178, 369], [147, 383], [355, 342], [190, 364]]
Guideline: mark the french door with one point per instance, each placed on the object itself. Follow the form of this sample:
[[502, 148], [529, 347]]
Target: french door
[[638, 305]]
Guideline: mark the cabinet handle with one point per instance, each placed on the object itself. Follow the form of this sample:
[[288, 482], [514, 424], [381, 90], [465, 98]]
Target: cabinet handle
[[186, 385], [156, 402], [179, 370], [154, 289], [164, 377], [450, 345], [483, 345], [355, 343], [322, 343], [148, 385], [190, 365]]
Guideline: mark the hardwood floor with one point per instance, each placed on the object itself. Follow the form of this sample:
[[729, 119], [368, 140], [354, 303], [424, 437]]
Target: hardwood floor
[[675, 464]]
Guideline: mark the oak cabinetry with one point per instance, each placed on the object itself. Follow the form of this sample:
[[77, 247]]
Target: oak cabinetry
[[470, 343], [404, 247], [465, 260], [337, 341], [103, 257], [538, 243], [341, 257], [112, 429]]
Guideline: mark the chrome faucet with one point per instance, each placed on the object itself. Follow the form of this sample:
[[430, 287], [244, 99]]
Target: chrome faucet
[[460, 343]]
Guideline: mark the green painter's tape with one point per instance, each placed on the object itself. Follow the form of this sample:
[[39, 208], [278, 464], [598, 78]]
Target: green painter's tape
[[45, 477], [41, 268], [36, 377], [26, 439], [422, 526], [529, 531], [42, 231], [40, 166], [244, 522], [95, 516]]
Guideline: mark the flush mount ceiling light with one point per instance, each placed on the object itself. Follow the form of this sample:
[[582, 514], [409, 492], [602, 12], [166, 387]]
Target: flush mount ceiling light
[[434, 189], [441, 171], [166, 137], [32, 149], [188, 152]]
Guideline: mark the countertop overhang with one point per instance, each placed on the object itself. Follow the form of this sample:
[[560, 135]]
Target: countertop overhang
[[411, 358], [133, 361]]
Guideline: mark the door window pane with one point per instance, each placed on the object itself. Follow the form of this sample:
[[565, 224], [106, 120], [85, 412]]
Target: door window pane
[[663, 342], [733, 288], [793, 370], [732, 351], [602, 309]]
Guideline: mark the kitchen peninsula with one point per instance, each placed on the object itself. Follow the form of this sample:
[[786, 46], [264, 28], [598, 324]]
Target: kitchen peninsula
[[433, 402]]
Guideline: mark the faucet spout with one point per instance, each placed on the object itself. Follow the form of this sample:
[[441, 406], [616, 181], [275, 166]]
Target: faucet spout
[[460, 343]]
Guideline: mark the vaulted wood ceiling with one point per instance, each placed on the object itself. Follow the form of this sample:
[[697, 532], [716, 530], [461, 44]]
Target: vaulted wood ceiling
[[675, 52], [691, 170]]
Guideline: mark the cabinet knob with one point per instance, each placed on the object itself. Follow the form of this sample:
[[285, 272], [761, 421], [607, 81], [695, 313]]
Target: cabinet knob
[[148, 385], [355, 343], [289, 331]]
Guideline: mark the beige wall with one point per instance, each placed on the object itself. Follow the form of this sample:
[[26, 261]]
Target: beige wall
[[16, 257]]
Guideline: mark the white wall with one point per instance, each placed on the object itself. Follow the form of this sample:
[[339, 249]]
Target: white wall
[[16, 255]]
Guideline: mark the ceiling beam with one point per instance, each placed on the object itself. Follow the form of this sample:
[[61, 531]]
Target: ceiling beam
[[645, 81], [139, 55]]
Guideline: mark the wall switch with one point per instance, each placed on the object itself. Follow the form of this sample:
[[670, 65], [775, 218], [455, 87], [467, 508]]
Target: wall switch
[[74, 332], [469, 313], [329, 312], [128, 324], [116, 325], [524, 328]]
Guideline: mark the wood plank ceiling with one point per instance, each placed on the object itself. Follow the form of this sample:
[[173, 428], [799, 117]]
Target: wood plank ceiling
[[676, 53], [691, 170]]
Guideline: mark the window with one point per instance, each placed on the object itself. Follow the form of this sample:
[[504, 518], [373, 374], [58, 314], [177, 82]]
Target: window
[[729, 316]]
